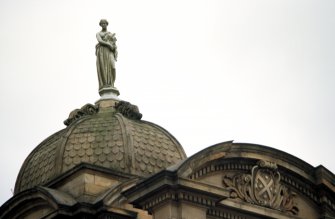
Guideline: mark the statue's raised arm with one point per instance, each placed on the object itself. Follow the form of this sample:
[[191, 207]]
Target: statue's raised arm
[[106, 52]]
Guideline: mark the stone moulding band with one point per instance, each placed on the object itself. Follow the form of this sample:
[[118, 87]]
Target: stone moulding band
[[111, 91]]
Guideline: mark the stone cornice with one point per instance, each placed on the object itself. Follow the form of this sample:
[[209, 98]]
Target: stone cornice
[[230, 150], [165, 186], [90, 167], [253, 209]]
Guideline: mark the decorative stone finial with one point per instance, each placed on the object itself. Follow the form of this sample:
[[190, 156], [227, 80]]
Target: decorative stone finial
[[106, 52]]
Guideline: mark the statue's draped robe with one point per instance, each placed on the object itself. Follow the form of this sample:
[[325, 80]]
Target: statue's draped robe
[[105, 61]]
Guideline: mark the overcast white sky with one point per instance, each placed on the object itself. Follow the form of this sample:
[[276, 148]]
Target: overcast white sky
[[208, 71]]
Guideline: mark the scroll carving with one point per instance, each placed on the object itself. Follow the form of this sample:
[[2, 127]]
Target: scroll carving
[[128, 110], [76, 114], [262, 187]]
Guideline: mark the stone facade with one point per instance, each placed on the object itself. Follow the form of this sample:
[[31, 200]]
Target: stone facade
[[231, 180], [109, 164]]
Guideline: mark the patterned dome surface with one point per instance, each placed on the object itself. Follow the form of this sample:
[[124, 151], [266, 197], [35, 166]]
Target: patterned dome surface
[[105, 138]]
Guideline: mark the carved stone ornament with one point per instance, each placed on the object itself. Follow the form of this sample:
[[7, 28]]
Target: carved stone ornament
[[76, 114], [128, 110], [262, 187]]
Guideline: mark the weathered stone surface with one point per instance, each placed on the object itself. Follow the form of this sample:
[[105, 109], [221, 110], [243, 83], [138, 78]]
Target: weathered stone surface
[[262, 187], [39, 166], [39, 202], [76, 114], [235, 180], [104, 138], [128, 110], [86, 185]]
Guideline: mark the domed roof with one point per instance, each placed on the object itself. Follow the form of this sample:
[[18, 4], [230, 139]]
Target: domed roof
[[104, 136]]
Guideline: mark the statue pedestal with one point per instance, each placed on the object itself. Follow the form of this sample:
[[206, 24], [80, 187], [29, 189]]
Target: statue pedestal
[[109, 93]]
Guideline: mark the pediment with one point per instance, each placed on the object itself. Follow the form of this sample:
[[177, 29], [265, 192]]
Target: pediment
[[256, 182], [231, 180], [262, 177]]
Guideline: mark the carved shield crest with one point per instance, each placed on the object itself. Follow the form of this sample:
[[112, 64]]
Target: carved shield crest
[[262, 187], [265, 185]]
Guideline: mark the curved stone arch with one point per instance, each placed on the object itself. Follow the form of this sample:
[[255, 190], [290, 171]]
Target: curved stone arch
[[244, 179], [230, 150], [114, 195], [37, 202], [240, 162]]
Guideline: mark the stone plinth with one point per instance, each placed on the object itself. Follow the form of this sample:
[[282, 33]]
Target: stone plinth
[[109, 93]]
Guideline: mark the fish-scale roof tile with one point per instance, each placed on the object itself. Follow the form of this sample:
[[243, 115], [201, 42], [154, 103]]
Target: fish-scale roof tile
[[106, 139]]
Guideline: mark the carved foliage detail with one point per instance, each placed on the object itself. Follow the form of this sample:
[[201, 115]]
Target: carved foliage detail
[[128, 110], [262, 187], [76, 114]]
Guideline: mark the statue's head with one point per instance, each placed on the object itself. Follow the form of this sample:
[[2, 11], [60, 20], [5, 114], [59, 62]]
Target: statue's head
[[103, 21]]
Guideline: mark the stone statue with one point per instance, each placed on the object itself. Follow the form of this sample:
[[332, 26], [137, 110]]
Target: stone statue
[[106, 52]]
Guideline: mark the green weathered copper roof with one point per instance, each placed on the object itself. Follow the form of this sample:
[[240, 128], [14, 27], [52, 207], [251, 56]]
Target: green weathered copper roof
[[105, 138]]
